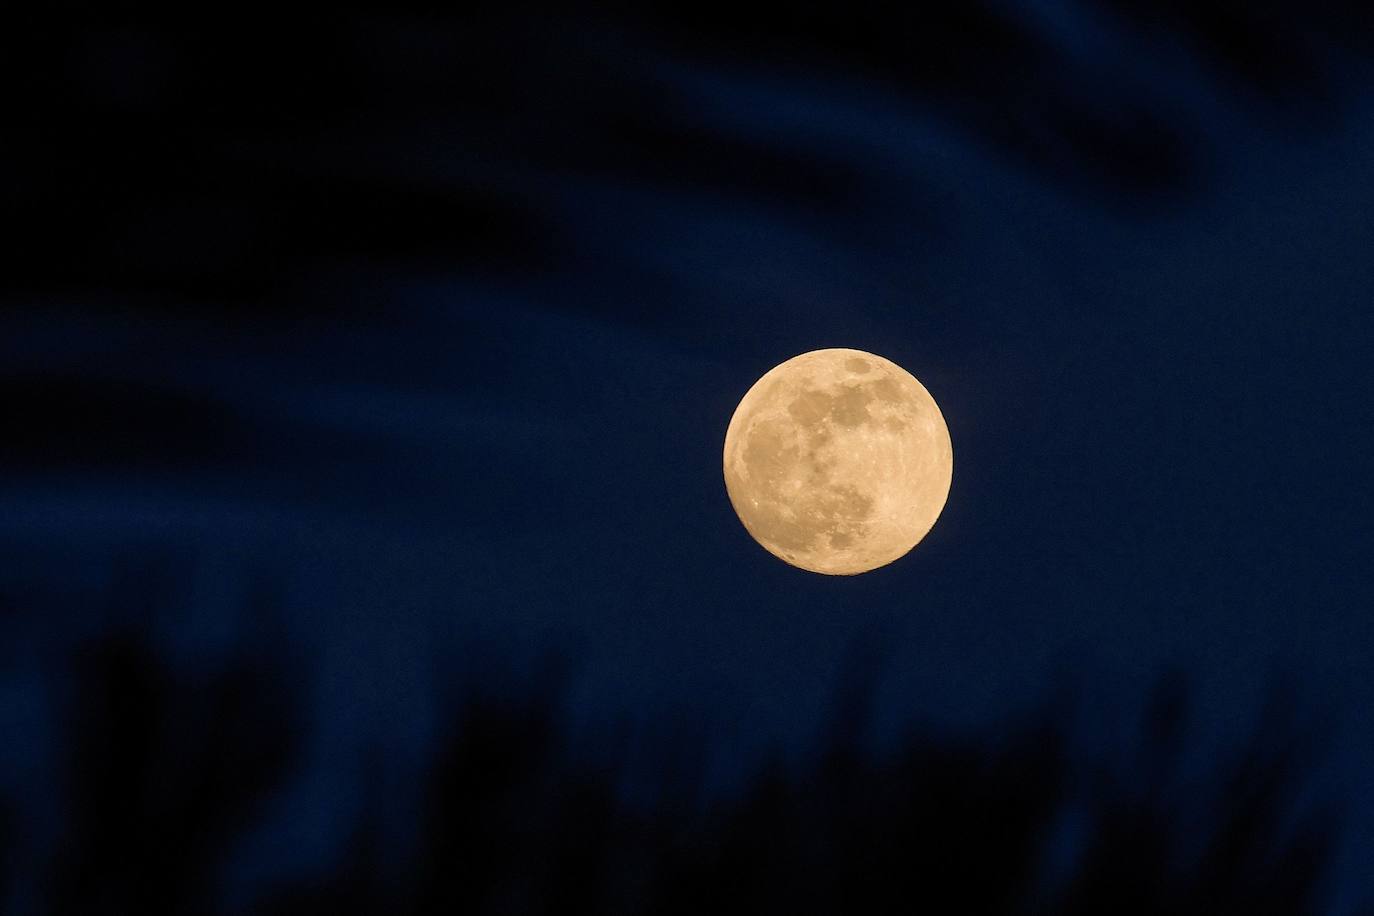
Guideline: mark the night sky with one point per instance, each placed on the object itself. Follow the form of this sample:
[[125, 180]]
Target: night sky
[[423, 331]]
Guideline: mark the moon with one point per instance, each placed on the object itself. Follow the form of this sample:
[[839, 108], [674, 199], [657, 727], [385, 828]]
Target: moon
[[838, 461]]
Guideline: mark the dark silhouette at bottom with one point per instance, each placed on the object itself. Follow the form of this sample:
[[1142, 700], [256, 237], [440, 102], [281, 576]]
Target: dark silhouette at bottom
[[163, 777]]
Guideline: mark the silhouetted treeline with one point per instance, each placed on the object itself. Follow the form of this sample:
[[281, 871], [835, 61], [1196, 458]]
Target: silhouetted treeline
[[163, 776]]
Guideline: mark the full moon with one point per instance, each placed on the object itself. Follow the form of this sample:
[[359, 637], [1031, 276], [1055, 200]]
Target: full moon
[[838, 461]]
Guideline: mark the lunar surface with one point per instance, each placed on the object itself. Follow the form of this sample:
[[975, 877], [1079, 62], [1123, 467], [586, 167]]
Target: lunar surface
[[838, 461]]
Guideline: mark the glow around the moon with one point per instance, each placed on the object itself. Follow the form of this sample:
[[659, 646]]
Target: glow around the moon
[[838, 461]]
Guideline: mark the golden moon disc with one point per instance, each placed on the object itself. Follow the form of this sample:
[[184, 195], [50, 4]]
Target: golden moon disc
[[838, 461]]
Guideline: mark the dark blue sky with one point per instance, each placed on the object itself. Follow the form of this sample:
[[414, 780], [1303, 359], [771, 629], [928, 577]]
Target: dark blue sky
[[443, 342]]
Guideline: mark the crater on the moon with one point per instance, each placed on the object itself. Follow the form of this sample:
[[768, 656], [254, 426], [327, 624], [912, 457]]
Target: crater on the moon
[[838, 461]]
